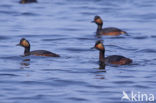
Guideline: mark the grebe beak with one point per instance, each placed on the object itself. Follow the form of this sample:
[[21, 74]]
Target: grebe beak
[[18, 45], [92, 48], [92, 21]]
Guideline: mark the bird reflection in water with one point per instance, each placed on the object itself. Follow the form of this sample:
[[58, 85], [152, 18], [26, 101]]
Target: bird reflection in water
[[101, 69], [25, 63]]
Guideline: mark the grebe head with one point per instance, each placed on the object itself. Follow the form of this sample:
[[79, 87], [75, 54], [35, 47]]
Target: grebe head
[[99, 45], [98, 20], [24, 43]]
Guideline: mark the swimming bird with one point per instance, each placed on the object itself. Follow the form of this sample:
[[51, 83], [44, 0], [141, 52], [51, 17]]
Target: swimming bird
[[113, 59], [25, 43], [113, 31], [27, 1]]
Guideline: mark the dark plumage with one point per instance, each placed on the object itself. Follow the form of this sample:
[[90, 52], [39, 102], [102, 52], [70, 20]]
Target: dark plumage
[[113, 59], [27, 1], [106, 31], [43, 53], [24, 43], [117, 59]]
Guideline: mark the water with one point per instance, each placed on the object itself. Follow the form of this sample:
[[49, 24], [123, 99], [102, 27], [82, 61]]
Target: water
[[64, 27]]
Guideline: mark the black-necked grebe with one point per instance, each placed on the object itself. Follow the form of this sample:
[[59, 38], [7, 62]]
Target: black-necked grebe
[[27, 1], [106, 31], [25, 43], [113, 59]]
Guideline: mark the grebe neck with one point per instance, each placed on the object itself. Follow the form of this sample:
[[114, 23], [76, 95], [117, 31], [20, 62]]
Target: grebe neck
[[99, 28], [102, 56], [27, 50], [102, 59]]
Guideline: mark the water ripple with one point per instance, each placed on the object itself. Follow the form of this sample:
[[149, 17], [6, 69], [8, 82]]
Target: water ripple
[[147, 51], [75, 77]]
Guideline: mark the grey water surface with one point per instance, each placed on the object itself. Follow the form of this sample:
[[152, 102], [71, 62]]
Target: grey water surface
[[64, 27]]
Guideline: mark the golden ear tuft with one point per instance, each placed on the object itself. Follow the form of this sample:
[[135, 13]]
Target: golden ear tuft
[[99, 20], [100, 46], [25, 43]]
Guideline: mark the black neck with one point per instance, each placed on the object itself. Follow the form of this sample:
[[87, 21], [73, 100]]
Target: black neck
[[99, 28], [27, 50], [102, 56], [102, 59]]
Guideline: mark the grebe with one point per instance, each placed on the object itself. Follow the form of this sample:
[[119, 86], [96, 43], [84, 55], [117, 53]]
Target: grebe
[[27, 1], [25, 43], [113, 59], [106, 31]]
